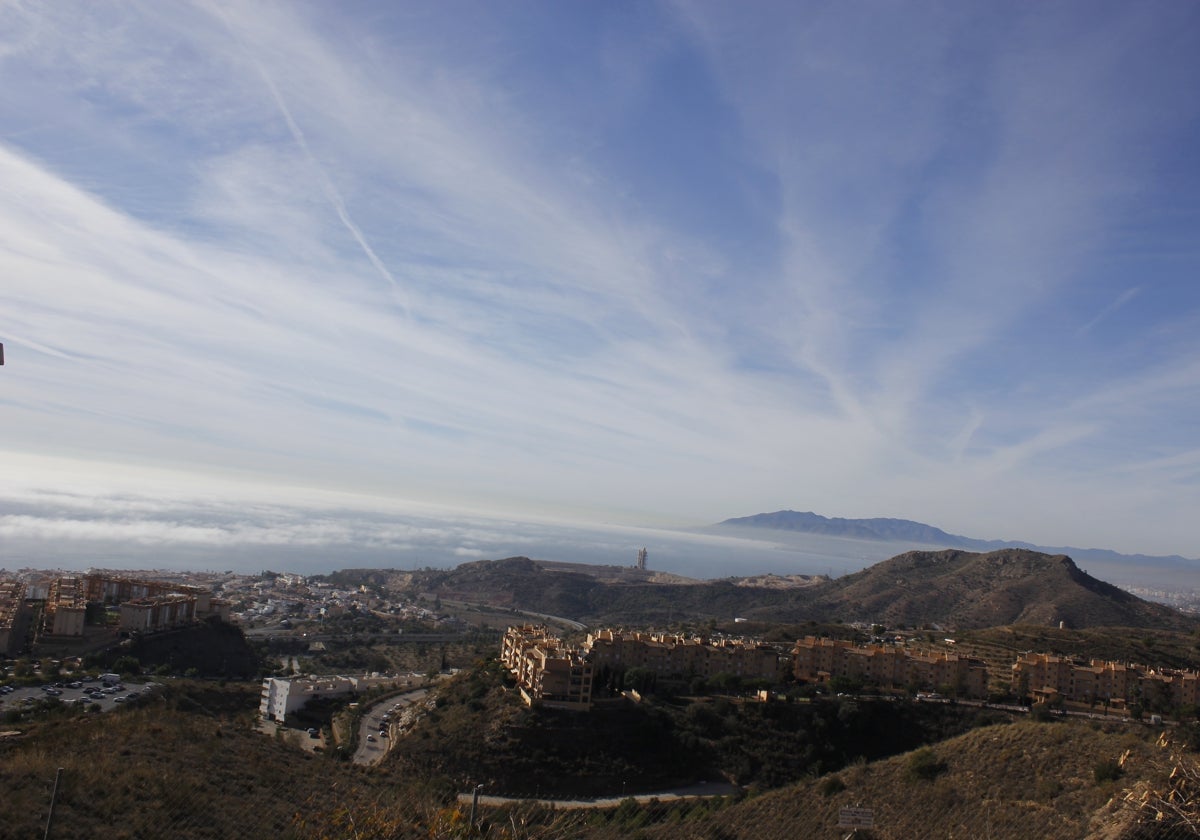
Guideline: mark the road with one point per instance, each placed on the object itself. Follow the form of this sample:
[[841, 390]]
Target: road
[[371, 746], [697, 791]]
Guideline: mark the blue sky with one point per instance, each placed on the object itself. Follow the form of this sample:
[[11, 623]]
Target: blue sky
[[644, 263]]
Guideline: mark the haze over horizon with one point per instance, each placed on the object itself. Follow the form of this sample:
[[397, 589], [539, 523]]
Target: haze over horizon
[[628, 264]]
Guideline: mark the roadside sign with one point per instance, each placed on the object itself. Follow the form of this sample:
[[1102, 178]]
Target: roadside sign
[[856, 818]]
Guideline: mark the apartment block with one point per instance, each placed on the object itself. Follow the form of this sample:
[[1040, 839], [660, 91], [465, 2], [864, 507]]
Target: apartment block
[[15, 616], [105, 589], [145, 605], [1045, 676], [547, 672], [147, 615], [819, 660], [66, 607], [675, 655], [282, 697]]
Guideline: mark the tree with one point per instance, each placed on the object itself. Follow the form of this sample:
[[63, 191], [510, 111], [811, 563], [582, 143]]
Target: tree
[[641, 680], [127, 665], [50, 668], [845, 685]]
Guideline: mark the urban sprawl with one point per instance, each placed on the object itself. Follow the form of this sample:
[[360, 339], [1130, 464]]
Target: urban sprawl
[[96, 607]]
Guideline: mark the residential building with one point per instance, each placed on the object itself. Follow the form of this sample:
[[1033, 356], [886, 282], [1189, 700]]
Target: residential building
[[887, 666], [282, 697], [1044, 676], [66, 607], [15, 615], [146, 615], [549, 673], [682, 656]]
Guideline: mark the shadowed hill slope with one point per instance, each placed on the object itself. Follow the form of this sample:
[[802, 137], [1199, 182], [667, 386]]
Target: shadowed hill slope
[[1020, 781]]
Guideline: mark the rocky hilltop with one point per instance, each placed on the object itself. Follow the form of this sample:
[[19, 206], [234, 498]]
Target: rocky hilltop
[[972, 590]]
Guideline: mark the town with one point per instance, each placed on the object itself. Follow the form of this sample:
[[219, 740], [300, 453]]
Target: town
[[74, 613], [65, 613]]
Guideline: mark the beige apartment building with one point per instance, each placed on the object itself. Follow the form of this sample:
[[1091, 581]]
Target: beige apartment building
[[890, 667], [1045, 676], [66, 607], [145, 605], [163, 612], [549, 673], [102, 589]]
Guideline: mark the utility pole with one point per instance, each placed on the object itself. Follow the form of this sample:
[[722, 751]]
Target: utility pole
[[53, 796], [474, 803]]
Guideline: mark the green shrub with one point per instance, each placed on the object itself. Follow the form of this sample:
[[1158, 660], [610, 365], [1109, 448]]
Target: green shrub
[[924, 765]]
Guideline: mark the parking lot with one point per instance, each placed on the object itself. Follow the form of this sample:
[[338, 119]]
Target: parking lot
[[84, 692]]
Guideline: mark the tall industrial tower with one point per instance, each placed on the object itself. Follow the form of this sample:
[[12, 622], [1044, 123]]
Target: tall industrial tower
[[641, 563]]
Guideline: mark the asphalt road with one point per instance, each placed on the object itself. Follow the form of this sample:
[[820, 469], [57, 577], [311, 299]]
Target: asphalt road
[[372, 747]]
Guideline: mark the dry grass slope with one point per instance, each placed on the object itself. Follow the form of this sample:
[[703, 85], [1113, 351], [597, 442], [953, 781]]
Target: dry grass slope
[[1018, 781]]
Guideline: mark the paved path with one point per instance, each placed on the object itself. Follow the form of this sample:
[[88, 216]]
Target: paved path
[[699, 791]]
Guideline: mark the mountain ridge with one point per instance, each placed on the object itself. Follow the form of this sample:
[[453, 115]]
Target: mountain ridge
[[890, 529]]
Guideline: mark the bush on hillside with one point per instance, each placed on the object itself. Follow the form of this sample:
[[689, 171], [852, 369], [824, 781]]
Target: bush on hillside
[[924, 765]]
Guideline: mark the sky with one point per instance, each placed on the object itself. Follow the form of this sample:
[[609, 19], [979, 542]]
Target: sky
[[629, 263]]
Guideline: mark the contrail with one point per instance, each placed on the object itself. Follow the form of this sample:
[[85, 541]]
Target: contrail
[[331, 192]]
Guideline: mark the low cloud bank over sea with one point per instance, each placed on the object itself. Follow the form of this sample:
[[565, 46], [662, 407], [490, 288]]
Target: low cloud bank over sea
[[57, 530], [54, 529]]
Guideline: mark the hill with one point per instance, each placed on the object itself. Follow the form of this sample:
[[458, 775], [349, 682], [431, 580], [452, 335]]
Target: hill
[[969, 590], [575, 592], [480, 731], [950, 588], [1029, 779], [188, 761]]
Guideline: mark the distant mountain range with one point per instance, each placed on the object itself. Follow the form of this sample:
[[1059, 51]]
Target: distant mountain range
[[918, 533]]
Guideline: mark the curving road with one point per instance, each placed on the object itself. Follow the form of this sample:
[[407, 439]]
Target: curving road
[[373, 750], [702, 790]]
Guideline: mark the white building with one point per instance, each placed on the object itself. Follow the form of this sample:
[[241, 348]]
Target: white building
[[282, 697]]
